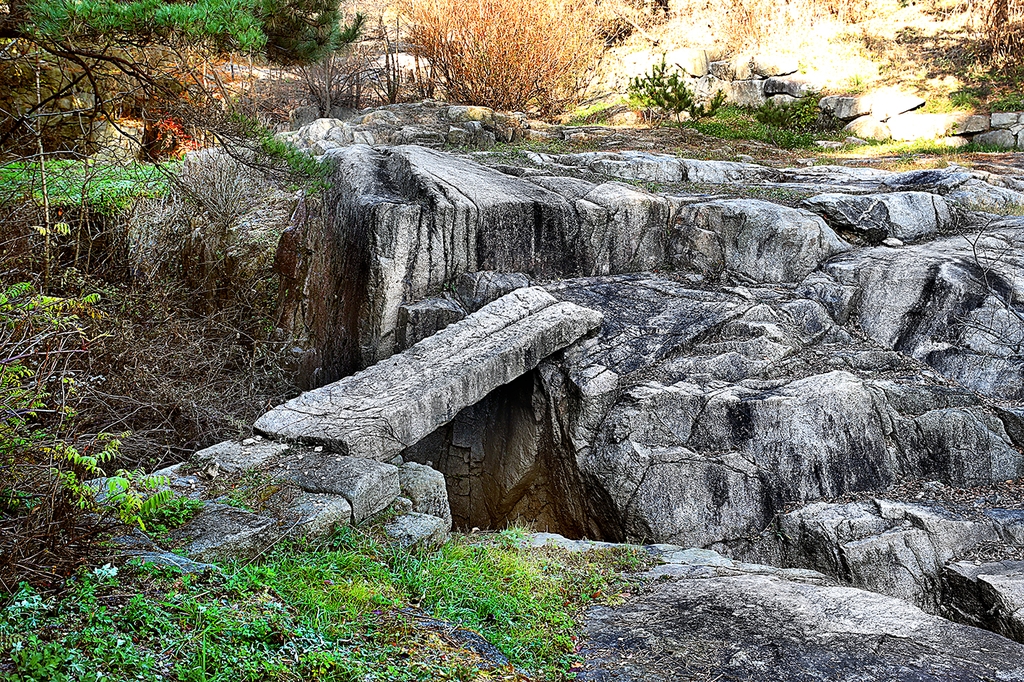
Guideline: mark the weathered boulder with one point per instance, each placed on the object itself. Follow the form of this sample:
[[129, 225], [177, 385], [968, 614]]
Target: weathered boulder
[[1000, 139], [988, 595], [869, 128], [907, 216], [633, 165], [695, 416], [220, 530], [952, 303], [890, 547], [414, 529], [918, 126], [845, 108], [395, 403], [756, 240]]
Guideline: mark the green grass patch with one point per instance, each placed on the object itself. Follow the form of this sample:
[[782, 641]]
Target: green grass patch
[[592, 114], [909, 150], [1008, 101], [734, 123], [106, 188], [346, 610]]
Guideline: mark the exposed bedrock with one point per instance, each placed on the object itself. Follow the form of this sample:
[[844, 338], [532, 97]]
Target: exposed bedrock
[[910, 551], [710, 620], [695, 370], [694, 417], [907, 216], [954, 303], [406, 222]]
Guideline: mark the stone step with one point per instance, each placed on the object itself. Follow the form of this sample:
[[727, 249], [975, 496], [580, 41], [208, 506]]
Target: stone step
[[390, 406]]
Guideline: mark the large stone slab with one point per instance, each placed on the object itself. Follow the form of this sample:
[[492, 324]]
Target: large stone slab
[[382, 410], [989, 595], [711, 621]]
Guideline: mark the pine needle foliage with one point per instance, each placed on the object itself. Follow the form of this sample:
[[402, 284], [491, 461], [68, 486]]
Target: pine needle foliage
[[668, 91]]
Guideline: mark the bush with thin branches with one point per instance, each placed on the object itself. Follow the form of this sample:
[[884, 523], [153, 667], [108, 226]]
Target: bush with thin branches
[[1003, 26], [508, 54]]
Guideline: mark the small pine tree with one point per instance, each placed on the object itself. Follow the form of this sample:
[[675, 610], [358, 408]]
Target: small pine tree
[[669, 92]]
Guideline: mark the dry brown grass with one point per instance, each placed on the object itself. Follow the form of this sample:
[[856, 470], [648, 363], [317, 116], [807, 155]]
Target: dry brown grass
[[507, 54]]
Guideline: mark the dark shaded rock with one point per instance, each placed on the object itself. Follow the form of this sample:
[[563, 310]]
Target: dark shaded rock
[[417, 321], [988, 595]]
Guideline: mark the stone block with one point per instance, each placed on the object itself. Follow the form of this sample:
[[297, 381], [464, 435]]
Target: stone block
[[417, 530], [768, 65], [417, 321], [891, 102], [746, 93], [427, 490], [368, 485], [1001, 139], [693, 61], [390, 406], [845, 108], [978, 123], [220, 530], [1004, 119], [790, 85], [233, 456], [916, 126]]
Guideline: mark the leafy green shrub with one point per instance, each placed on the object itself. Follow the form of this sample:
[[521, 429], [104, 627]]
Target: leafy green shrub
[[43, 465], [669, 91], [173, 513], [107, 188]]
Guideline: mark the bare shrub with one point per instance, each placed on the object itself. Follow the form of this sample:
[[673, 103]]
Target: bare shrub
[[336, 81], [507, 54], [218, 227], [1003, 28]]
